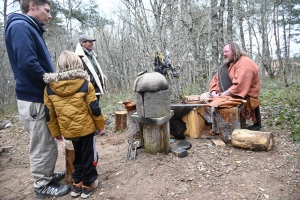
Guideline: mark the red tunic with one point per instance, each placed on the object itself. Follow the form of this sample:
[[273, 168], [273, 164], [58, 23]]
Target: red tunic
[[245, 79]]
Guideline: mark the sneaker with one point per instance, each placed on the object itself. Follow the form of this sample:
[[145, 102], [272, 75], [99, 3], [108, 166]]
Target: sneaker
[[88, 190], [76, 190], [59, 176], [53, 189]]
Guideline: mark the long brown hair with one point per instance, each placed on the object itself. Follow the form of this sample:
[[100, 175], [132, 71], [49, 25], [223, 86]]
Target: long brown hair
[[237, 51]]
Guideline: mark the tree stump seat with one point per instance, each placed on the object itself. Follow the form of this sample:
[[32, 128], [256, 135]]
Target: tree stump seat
[[155, 132]]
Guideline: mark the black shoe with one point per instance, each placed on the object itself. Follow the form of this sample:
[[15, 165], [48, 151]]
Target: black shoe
[[59, 176], [53, 189], [254, 127]]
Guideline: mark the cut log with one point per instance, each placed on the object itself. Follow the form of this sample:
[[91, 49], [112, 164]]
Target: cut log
[[227, 120], [156, 138], [254, 140], [120, 120], [155, 133], [70, 156]]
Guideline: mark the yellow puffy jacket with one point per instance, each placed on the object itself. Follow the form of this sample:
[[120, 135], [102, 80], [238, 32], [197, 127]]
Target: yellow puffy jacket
[[72, 109]]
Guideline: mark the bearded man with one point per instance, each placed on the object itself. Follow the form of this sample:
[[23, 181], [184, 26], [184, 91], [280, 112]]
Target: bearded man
[[238, 77]]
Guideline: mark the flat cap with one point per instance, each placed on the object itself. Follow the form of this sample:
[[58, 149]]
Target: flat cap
[[84, 38]]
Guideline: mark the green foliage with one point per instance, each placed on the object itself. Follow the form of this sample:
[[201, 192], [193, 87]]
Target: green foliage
[[109, 102], [7, 111], [281, 108]]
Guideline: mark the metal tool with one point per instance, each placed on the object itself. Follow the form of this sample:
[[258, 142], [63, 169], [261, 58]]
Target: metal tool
[[135, 146]]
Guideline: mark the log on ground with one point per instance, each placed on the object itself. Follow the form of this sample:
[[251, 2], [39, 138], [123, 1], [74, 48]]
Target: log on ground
[[254, 140]]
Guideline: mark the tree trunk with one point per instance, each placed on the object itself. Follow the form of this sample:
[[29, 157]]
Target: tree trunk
[[229, 21], [254, 140]]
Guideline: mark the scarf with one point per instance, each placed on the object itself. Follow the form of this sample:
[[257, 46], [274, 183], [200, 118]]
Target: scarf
[[225, 81]]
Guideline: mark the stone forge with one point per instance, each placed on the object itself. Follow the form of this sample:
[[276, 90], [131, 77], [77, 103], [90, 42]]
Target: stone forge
[[152, 98], [152, 95]]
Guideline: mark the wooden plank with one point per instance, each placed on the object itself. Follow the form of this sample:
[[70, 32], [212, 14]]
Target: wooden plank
[[194, 122]]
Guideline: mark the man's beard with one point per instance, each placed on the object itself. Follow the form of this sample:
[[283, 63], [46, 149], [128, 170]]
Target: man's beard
[[227, 61]]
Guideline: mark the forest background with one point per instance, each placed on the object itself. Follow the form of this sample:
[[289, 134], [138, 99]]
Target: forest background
[[190, 33]]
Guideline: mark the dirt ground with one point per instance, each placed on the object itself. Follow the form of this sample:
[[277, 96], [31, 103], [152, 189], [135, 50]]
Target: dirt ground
[[207, 172]]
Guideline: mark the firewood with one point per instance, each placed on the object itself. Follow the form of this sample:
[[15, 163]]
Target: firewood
[[254, 140], [120, 120]]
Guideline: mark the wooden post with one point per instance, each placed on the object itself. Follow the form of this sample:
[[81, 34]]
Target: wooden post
[[133, 126], [120, 120], [70, 156], [156, 138], [254, 140], [155, 133]]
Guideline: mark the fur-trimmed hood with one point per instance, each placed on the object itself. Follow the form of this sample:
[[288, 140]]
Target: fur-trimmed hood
[[68, 75], [66, 83]]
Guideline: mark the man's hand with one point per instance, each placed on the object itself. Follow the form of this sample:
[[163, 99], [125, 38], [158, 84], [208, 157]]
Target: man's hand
[[214, 94]]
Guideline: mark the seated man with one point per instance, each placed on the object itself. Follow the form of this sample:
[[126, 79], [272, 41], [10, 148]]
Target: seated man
[[237, 77]]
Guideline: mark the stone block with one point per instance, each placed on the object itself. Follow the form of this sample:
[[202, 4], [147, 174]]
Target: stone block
[[179, 152], [153, 104], [218, 143]]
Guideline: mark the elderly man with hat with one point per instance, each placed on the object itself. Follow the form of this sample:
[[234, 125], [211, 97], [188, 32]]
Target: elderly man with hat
[[84, 50]]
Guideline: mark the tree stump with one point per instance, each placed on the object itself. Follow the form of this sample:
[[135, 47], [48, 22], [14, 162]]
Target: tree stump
[[120, 120], [155, 133], [156, 138], [70, 156], [227, 120], [254, 140]]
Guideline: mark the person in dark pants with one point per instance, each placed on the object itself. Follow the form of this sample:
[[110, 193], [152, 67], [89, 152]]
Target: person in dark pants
[[30, 59], [72, 111]]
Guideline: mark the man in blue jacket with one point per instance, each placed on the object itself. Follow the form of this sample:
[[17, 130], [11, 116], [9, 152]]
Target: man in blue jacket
[[30, 60]]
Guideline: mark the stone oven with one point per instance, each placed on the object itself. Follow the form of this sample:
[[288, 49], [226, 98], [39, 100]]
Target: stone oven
[[152, 95]]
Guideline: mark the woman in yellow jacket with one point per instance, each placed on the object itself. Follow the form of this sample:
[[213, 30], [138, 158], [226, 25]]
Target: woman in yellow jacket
[[73, 111]]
